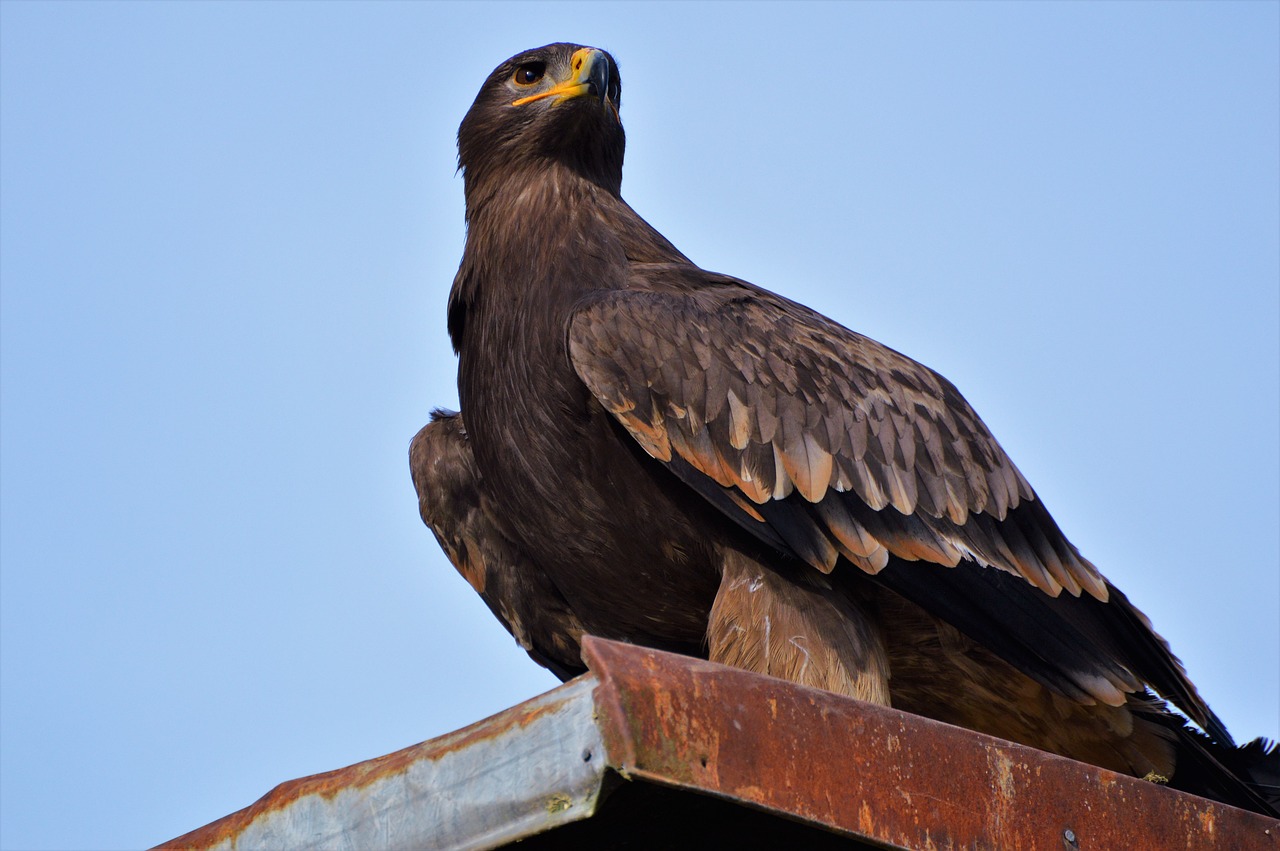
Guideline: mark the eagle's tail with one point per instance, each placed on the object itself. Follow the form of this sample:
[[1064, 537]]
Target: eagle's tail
[[1247, 776], [1260, 766]]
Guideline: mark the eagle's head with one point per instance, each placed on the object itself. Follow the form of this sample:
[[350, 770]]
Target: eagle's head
[[556, 104]]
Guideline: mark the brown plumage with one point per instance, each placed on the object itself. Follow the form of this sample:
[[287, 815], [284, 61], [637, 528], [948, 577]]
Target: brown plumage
[[660, 454]]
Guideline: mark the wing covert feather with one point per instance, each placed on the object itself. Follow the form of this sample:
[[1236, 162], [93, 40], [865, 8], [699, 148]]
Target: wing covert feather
[[772, 401]]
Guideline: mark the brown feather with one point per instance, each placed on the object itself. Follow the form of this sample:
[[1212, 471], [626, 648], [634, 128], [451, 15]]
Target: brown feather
[[739, 422]]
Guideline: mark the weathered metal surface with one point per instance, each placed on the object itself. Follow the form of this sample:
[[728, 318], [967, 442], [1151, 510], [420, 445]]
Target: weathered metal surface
[[702, 731], [879, 774], [523, 771]]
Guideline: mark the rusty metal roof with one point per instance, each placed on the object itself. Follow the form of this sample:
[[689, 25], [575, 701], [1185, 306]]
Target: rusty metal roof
[[654, 750]]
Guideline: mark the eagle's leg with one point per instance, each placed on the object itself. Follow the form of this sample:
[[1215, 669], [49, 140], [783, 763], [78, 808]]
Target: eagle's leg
[[806, 632]]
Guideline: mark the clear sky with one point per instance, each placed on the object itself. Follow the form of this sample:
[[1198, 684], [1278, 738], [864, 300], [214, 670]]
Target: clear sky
[[227, 233]]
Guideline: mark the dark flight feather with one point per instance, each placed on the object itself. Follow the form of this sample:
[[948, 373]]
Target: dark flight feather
[[660, 454]]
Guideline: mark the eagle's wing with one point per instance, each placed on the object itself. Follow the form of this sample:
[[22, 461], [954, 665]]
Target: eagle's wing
[[770, 399], [452, 503], [827, 444]]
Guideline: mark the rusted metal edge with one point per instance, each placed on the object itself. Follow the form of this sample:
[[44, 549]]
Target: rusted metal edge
[[850, 767], [877, 773], [528, 769]]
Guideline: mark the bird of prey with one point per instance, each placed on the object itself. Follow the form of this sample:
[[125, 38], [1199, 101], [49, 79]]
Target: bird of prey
[[655, 453]]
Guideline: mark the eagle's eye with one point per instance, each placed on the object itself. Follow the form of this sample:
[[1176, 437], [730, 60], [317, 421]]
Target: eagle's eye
[[530, 73]]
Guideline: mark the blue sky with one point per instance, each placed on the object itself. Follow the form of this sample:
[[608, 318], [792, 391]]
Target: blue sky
[[227, 233]]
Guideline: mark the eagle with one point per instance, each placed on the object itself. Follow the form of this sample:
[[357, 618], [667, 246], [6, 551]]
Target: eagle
[[654, 453]]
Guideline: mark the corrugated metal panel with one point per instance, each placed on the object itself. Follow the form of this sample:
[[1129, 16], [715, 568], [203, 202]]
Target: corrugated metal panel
[[657, 750]]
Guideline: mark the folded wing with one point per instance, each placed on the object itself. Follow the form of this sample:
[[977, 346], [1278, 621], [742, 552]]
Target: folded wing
[[830, 446]]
